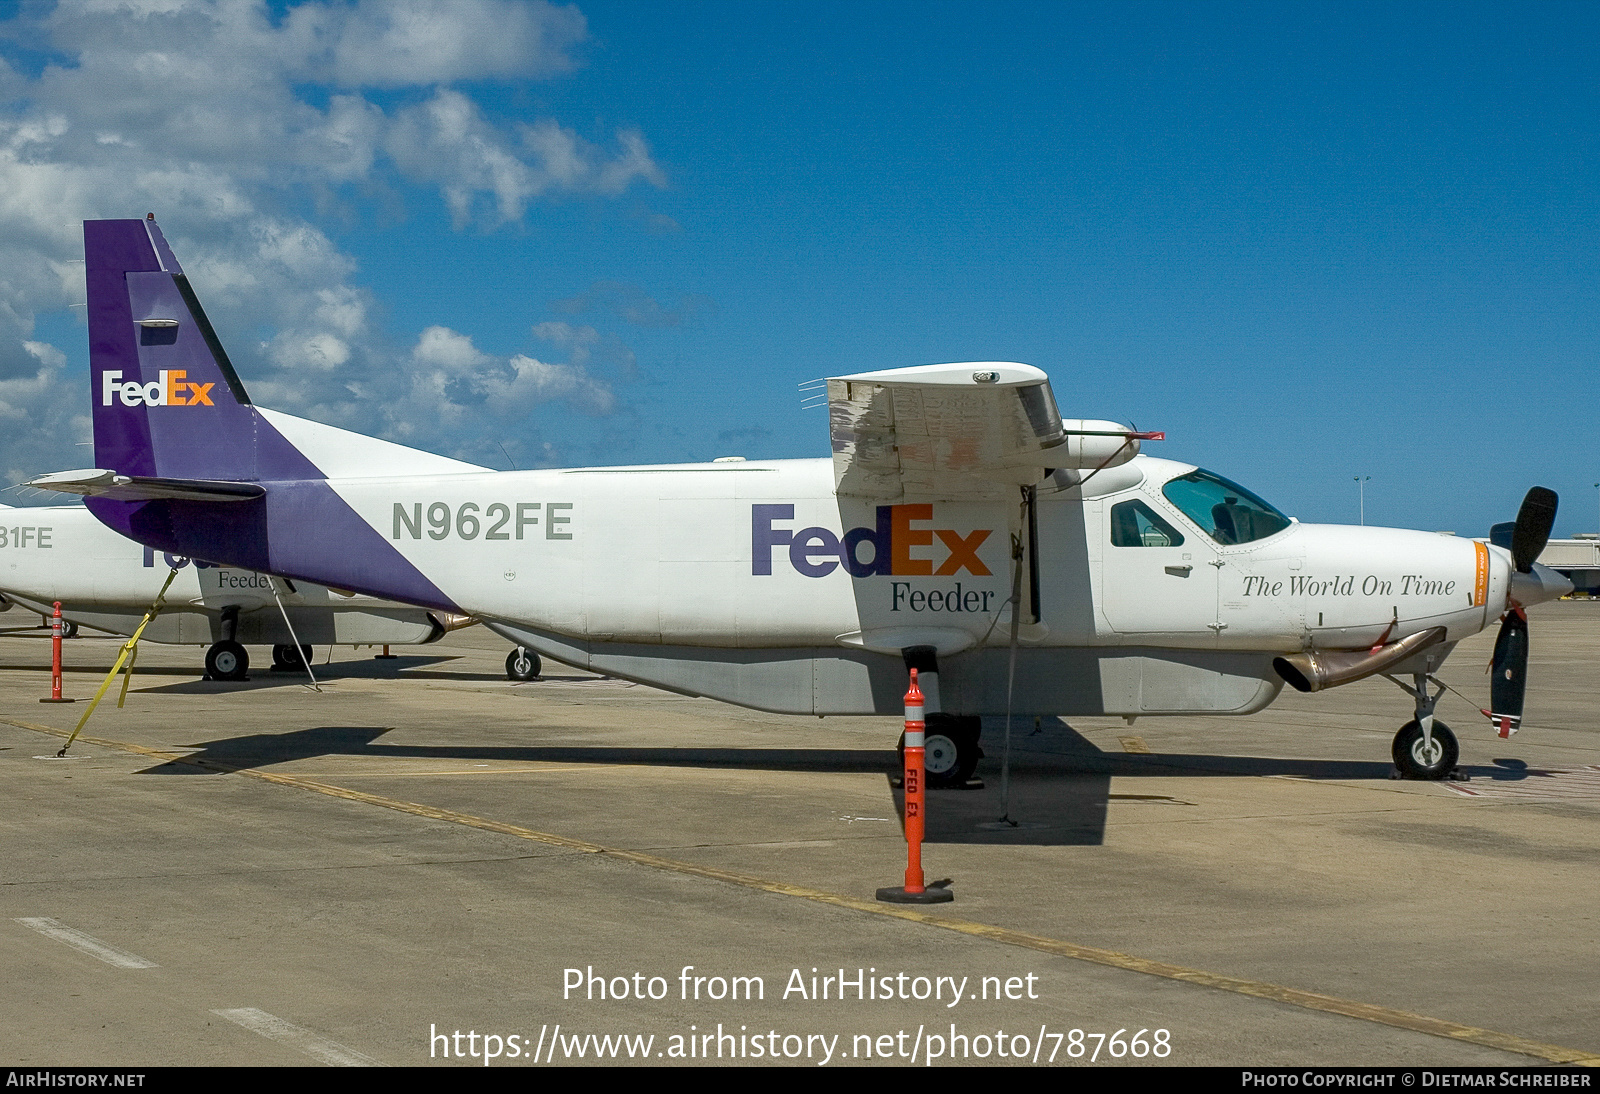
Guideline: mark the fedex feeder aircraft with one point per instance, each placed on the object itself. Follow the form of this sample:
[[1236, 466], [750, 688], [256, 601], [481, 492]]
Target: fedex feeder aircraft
[[1141, 586], [102, 580]]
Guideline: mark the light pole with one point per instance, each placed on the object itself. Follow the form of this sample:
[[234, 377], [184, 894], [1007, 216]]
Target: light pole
[[1361, 485], [1597, 491]]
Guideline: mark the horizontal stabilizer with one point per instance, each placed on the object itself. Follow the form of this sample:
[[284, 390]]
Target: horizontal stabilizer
[[96, 483]]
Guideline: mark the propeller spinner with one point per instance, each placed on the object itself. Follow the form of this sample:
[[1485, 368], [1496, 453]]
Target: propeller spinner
[[1508, 669]]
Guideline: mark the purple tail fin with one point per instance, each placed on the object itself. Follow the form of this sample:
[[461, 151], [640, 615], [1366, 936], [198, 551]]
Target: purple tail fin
[[167, 401], [168, 406]]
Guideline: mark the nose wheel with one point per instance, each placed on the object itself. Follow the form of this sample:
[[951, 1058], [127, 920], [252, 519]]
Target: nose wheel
[[1424, 748], [1425, 756], [522, 664]]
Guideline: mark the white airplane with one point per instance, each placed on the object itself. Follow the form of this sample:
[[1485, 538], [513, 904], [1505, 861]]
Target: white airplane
[[1142, 586], [108, 582]]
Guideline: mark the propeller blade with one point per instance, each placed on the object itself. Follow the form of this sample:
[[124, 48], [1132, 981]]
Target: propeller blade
[[1534, 521], [1508, 672]]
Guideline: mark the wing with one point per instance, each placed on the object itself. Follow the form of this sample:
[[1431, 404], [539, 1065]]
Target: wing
[[959, 432]]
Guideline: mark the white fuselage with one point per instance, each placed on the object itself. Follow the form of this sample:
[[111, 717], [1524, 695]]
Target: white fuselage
[[726, 579], [743, 555]]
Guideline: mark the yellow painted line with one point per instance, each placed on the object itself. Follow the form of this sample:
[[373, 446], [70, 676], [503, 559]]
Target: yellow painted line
[[1368, 1012]]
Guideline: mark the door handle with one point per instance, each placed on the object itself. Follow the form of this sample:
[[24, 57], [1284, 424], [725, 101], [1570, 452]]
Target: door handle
[[1180, 571]]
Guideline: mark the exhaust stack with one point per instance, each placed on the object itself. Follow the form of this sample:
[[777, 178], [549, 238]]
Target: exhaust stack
[[1315, 670]]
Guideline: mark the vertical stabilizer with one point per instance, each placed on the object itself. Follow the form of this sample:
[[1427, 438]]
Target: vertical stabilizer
[[168, 406], [166, 399]]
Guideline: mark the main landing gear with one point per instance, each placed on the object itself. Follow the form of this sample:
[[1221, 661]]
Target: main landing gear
[[1424, 748], [952, 751], [227, 660], [950, 741], [69, 629], [287, 657]]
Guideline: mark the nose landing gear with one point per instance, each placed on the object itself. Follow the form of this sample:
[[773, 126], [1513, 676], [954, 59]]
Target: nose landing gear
[[522, 665], [1424, 748]]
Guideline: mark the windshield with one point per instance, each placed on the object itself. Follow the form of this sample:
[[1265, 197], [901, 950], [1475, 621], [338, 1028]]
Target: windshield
[[1226, 511]]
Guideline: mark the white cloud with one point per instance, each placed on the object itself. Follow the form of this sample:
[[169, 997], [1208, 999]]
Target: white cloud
[[452, 375], [447, 140], [586, 345], [38, 422], [199, 110], [406, 42], [534, 381]]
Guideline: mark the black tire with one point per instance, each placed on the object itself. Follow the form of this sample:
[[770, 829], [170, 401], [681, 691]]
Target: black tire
[[227, 661], [1411, 759], [288, 657], [523, 664], [950, 750], [69, 629]]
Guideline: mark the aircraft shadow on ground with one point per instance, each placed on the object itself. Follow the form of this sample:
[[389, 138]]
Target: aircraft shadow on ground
[[1059, 786], [264, 749], [192, 681], [414, 667]]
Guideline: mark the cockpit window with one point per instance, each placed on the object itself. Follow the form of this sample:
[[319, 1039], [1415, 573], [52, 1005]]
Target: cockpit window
[[1226, 511], [1135, 524]]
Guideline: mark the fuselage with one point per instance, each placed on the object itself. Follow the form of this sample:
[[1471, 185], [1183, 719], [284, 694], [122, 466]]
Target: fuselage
[[764, 555]]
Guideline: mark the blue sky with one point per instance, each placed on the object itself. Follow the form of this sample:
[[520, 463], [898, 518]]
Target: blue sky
[[1309, 241]]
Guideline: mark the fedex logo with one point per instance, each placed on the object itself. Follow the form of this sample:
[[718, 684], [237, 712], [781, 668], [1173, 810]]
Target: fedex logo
[[817, 552], [169, 390]]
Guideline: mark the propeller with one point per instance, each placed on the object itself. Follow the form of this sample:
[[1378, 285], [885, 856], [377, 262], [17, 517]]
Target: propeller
[[1508, 669], [1532, 530]]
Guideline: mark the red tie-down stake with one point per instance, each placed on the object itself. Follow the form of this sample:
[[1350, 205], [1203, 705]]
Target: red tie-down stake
[[55, 659], [915, 891]]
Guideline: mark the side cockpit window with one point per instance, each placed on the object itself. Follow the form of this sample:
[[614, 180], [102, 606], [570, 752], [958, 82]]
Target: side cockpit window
[[1227, 512], [1135, 524]]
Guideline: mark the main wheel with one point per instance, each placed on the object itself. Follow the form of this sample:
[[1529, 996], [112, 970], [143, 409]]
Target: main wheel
[[1416, 760], [950, 749], [523, 664], [69, 629], [286, 656], [227, 661]]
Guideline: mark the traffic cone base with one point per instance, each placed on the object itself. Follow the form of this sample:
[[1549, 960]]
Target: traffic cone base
[[906, 896]]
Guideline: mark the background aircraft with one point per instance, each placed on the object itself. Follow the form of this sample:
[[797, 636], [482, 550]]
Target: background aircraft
[[1142, 586], [107, 581]]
